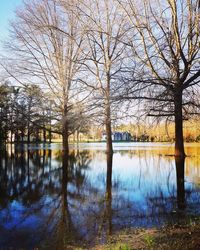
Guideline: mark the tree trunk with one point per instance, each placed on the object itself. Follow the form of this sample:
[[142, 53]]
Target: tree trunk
[[50, 136], [22, 137], [109, 147], [65, 132], [77, 136], [179, 142], [37, 136], [28, 135], [28, 126], [16, 137], [11, 136], [44, 135], [65, 137]]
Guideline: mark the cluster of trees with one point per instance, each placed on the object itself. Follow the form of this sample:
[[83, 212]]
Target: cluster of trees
[[106, 54], [22, 113], [27, 114]]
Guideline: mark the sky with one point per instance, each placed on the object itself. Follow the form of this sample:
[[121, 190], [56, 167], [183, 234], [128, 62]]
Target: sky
[[7, 8]]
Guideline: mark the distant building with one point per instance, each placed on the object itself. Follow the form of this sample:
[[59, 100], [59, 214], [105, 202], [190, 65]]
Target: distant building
[[126, 136], [118, 136]]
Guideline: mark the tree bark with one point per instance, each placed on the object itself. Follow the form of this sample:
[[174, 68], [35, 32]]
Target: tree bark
[[44, 135], [65, 138], [11, 137], [65, 132], [37, 136], [109, 147], [17, 136], [28, 135], [77, 136], [50, 136], [179, 142]]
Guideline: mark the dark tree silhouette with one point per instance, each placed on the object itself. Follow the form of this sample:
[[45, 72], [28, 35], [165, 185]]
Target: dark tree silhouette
[[165, 42]]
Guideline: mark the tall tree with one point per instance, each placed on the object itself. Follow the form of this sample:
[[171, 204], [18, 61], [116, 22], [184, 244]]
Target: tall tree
[[106, 27], [166, 47], [46, 46]]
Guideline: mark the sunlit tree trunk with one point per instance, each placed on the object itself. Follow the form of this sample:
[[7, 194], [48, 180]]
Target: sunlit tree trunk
[[65, 131], [109, 147], [179, 141]]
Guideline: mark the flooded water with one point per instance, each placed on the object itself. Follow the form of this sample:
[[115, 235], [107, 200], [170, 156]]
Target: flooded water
[[49, 200]]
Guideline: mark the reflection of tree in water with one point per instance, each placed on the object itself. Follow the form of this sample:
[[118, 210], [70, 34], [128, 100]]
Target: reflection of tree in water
[[180, 180], [13, 176], [4, 192], [65, 230], [105, 215], [55, 196], [109, 192], [163, 204], [40, 187], [158, 202]]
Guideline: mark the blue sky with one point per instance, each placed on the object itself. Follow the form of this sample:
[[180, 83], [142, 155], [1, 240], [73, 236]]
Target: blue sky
[[7, 8]]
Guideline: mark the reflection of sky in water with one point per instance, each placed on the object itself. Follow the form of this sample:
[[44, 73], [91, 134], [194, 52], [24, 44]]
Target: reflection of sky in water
[[135, 174], [135, 181], [15, 220], [143, 191]]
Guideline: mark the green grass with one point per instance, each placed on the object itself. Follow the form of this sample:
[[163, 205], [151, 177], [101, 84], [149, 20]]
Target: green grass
[[149, 240], [118, 246]]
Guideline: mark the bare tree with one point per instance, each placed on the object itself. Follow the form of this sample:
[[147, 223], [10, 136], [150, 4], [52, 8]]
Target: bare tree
[[166, 47], [46, 48], [106, 27]]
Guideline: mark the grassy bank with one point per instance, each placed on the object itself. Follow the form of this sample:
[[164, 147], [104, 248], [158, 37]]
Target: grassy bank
[[180, 236]]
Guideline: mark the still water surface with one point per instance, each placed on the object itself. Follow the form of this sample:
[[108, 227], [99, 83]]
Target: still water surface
[[49, 200]]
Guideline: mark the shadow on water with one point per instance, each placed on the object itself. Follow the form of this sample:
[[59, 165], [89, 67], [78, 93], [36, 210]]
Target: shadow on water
[[52, 200]]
